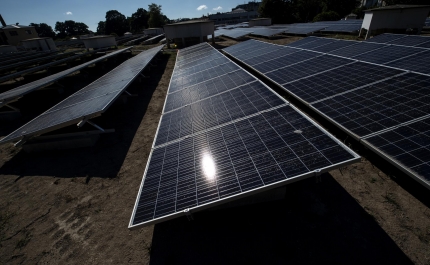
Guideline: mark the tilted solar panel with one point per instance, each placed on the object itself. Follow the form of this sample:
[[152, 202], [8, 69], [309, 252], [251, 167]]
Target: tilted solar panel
[[236, 138], [410, 41], [385, 38], [355, 50], [407, 147], [27, 88], [388, 54], [88, 102]]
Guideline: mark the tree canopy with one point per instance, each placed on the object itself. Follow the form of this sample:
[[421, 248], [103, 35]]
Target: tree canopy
[[290, 11], [139, 20], [115, 23], [101, 28], [70, 28], [43, 30], [156, 17]]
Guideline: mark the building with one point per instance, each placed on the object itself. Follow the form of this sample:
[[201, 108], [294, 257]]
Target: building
[[235, 16], [39, 44], [395, 18], [153, 31], [189, 32]]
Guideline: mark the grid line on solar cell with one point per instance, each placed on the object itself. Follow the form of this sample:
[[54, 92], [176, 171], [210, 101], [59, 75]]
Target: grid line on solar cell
[[214, 111], [338, 81], [265, 50], [251, 154], [179, 73], [192, 79], [206, 89], [333, 46], [318, 42], [424, 45], [388, 54], [302, 42], [308, 68], [380, 106], [406, 146]]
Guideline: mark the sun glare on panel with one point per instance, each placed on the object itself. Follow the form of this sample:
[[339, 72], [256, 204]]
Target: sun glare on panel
[[208, 165]]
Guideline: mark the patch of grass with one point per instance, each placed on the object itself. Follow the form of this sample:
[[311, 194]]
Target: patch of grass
[[389, 197]]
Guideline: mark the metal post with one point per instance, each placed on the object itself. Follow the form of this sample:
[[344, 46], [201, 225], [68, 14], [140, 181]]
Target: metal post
[[213, 37]]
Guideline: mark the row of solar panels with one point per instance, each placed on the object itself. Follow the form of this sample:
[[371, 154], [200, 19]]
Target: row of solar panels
[[223, 135], [20, 91], [89, 102], [370, 90]]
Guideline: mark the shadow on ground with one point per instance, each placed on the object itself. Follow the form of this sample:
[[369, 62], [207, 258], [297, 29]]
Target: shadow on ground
[[106, 157], [315, 224]]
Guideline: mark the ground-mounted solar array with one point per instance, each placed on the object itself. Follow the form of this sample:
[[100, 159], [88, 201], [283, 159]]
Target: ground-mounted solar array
[[226, 137], [377, 86], [88, 102], [20, 91]]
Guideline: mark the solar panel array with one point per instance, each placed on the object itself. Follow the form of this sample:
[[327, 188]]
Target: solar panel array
[[20, 91], [400, 39], [372, 89], [88, 102], [226, 136]]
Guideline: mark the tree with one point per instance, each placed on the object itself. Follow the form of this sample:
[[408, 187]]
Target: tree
[[327, 16], [139, 20], [306, 10], [70, 28], [280, 11], [101, 28], [115, 23], [43, 30], [341, 7], [156, 18]]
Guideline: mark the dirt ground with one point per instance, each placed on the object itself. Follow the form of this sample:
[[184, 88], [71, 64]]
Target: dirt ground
[[74, 206]]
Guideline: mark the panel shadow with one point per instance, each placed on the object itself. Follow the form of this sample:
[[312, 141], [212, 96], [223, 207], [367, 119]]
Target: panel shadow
[[314, 224]]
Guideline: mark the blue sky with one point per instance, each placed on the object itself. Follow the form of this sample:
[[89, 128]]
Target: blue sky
[[92, 11]]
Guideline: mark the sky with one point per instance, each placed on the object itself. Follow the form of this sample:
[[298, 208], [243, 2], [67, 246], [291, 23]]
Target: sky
[[91, 12]]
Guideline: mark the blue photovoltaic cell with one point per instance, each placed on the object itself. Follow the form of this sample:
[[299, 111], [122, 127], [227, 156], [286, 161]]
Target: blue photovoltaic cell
[[216, 110], [357, 49], [307, 68], [317, 43], [410, 41], [338, 80], [270, 56], [409, 146], [224, 137], [417, 63], [333, 46], [388, 54], [284, 61], [385, 38], [302, 42], [274, 146], [380, 106], [424, 45]]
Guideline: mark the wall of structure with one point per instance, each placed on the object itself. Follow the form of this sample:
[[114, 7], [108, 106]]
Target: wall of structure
[[233, 18], [99, 42], [14, 36], [189, 30], [40, 44]]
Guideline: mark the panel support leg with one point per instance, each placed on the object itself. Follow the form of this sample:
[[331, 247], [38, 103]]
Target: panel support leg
[[189, 215]]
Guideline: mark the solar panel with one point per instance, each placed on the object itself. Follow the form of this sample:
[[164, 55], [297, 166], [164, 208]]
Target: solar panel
[[407, 147], [236, 33], [302, 42], [339, 80], [266, 32], [20, 91], [333, 46], [304, 30], [273, 54], [229, 144], [307, 68], [318, 42], [88, 102], [424, 45], [410, 41], [342, 28], [388, 54], [385, 38], [286, 60], [20, 59], [355, 50], [417, 63], [376, 107]]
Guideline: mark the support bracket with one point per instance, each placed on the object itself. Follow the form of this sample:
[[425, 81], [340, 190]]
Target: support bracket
[[189, 215], [318, 176]]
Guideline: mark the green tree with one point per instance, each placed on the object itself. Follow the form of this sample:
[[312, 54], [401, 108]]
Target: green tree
[[70, 28], [156, 18], [341, 7], [327, 16], [115, 23], [306, 10], [43, 30], [139, 20], [101, 28], [60, 28], [280, 11]]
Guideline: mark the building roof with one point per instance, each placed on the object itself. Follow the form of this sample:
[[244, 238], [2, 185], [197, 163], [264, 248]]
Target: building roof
[[397, 7], [15, 26], [238, 10]]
